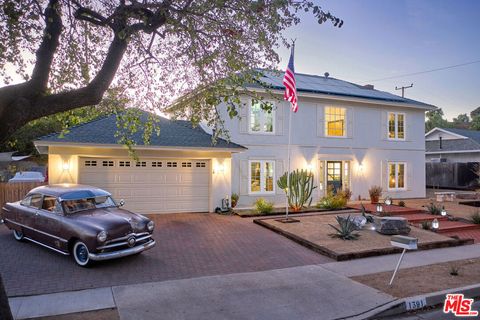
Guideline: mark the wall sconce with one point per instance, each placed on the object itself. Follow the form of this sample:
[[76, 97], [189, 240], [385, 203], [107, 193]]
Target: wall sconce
[[310, 167], [218, 168], [65, 166], [360, 168], [435, 224]]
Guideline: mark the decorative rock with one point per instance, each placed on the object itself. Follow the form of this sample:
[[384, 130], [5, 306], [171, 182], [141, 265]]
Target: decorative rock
[[392, 225], [358, 221]]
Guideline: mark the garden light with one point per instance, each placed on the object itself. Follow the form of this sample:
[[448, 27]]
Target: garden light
[[443, 212], [388, 201], [379, 207], [435, 224]]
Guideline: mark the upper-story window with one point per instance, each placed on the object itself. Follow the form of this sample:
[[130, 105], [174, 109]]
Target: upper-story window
[[396, 126], [335, 122], [261, 121]]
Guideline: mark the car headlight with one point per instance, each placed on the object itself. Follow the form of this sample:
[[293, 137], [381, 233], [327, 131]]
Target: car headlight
[[150, 226], [102, 236]]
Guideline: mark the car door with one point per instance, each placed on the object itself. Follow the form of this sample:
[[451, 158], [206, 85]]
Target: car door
[[26, 215], [48, 224]]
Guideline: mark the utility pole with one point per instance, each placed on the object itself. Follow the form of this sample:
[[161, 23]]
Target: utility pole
[[403, 89]]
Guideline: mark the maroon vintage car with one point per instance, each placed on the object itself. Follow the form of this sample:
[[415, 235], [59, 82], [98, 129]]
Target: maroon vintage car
[[80, 220]]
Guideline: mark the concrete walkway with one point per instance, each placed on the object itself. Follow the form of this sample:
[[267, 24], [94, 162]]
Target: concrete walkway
[[412, 259]]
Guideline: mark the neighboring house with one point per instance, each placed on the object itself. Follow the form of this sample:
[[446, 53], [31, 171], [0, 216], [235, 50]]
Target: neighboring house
[[179, 171], [452, 145], [347, 135]]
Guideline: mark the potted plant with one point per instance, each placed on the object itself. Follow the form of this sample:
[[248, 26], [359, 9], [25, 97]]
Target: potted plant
[[375, 193], [234, 199]]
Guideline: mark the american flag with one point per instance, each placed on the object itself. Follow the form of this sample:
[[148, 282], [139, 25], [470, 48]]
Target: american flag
[[290, 84]]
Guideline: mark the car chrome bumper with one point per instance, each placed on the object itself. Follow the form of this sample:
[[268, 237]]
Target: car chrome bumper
[[121, 253]]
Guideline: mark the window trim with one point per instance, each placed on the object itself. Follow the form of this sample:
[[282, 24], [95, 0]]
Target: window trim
[[396, 126], [273, 113], [345, 134], [396, 163], [262, 177]]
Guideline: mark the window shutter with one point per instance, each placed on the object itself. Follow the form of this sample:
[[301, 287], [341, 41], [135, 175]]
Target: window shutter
[[320, 121], [243, 111], [384, 126], [384, 176], [409, 177], [407, 126], [279, 171], [244, 177], [279, 118], [350, 122]]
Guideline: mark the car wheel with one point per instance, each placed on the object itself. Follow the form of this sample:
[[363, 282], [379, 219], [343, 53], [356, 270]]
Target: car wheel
[[80, 254], [18, 235]]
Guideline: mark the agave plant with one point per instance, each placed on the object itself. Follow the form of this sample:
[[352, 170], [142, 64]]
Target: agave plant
[[434, 209], [300, 187], [346, 230], [369, 217]]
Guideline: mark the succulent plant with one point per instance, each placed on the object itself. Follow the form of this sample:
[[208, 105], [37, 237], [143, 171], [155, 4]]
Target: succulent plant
[[300, 187], [346, 230]]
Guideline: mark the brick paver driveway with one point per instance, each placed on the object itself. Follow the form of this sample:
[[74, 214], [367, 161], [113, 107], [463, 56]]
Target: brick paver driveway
[[188, 245]]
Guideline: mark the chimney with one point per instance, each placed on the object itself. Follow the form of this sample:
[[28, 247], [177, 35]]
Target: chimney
[[369, 86]]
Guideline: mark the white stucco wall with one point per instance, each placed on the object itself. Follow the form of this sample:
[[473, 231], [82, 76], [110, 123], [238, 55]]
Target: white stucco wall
[[366, 144]]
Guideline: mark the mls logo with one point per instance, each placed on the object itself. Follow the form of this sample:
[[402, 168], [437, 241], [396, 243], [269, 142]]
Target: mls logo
[[459, 306]]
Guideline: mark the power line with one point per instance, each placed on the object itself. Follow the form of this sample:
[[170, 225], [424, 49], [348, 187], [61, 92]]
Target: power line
[[426, 71]]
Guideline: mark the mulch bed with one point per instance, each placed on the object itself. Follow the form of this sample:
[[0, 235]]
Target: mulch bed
[[250, 213]]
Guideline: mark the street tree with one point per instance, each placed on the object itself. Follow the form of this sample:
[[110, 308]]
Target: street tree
[[67, 53]]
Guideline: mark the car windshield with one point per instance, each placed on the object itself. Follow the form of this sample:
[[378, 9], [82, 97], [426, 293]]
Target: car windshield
[[73, 206]]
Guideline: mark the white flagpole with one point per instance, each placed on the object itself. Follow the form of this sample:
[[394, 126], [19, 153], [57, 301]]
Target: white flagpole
[[288, 157]]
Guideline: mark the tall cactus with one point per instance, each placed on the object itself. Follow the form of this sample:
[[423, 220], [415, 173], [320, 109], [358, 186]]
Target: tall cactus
[[300, 188]]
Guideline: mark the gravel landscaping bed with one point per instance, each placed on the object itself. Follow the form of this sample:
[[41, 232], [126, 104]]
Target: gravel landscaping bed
[[314, 232]]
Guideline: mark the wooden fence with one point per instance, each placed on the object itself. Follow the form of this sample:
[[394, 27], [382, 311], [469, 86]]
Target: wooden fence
[[10, 192]]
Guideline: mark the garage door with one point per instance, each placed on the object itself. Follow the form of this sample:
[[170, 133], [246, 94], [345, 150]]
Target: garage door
[[151, 186]]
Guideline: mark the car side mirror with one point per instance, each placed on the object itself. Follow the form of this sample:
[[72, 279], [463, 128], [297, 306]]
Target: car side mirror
[[121, 202]]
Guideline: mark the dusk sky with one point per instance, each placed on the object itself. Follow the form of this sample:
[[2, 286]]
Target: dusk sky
[[382, 38]]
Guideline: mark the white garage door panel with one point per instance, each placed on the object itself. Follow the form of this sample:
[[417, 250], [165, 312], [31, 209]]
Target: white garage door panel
[[154, 186]]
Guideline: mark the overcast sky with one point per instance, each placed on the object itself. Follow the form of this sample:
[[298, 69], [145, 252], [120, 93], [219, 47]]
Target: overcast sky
[[384, 38]]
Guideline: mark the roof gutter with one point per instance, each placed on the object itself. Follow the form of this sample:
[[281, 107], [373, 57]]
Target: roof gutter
[[40, 145]]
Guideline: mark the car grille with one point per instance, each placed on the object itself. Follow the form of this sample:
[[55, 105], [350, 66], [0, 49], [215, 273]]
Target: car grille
[[128, 241]]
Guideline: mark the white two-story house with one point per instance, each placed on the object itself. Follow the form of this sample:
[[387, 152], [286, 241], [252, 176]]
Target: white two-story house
[[349, 136]]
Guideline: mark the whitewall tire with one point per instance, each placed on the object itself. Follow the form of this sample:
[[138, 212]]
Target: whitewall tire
[[80, 254], [18, 235]]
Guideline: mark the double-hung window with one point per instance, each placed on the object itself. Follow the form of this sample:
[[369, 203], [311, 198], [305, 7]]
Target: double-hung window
[[261, 176], [396, 175], [335, 122], [261, 121], [396, 126]]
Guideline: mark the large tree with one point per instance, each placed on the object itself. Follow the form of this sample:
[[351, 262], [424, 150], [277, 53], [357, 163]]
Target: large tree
[[69, 52]]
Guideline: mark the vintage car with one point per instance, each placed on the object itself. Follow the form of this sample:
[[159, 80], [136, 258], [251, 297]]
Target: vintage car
[[83, 221]]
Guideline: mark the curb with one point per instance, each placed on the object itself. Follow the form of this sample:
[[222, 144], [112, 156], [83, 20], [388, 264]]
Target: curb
[[433, 299]]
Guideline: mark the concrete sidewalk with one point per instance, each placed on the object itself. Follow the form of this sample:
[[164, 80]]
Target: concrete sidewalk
[[411, 259], [308, 292]]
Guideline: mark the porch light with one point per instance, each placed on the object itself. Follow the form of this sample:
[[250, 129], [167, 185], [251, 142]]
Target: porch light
[[443, 212], [219, 168], [310, 167], [379, 207], [66, 166], [435, 224]]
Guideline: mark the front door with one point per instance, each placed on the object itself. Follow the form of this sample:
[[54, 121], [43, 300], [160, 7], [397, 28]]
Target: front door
[[334, 176]]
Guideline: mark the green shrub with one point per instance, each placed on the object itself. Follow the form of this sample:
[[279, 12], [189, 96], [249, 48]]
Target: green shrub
[[346, 229], [401, 203], [434, 209], [332, 201], [234, 199], [426, 225], [475, 217], [454, 270], [263, 206], [346, 193]]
